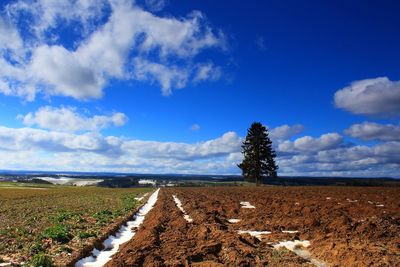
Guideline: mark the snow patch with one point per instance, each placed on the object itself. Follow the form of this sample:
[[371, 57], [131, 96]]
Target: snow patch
[[328, 198], [124, 234], [289, 232], [86, 182], [146, 181], [256, 234], [246, 205], [60, 181], [70, 181], [141, 198], [349, 200], [179, 205], [298, 247], [380, 205], [234, 220], [291, 245]]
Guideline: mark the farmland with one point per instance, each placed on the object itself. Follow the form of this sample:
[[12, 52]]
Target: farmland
[[59, 221], [205, 226], [328, 226]]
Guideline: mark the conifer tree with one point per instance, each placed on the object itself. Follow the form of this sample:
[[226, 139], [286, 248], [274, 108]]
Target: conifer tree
[[259, 157]]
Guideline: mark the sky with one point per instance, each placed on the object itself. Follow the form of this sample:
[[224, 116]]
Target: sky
[[166, 86]]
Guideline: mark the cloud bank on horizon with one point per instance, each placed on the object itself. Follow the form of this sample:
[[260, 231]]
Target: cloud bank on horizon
[[127, 41]]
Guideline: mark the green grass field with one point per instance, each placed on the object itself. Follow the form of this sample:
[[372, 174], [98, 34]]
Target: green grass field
[[39, 220]]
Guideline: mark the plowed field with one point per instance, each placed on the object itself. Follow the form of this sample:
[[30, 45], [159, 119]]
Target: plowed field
[[344, 226]]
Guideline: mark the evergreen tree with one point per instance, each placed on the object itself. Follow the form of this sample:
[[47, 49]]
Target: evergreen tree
[[259, 157]]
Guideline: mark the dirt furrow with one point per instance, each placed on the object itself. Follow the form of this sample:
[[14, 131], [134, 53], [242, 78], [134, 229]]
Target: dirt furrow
[[167, 239]]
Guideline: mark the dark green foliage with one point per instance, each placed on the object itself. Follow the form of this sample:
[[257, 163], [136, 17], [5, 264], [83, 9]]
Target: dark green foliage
[[37, 247], [103, 217], [129, 201], [41, 260], [57, 233], [83, 235], [259, 157]]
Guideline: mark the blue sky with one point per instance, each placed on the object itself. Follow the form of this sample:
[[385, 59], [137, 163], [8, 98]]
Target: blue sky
[[171, 86]]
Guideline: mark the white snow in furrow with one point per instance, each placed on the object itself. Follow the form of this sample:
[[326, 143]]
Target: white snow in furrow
[[124, 234], [298, 247], [349, 200], [256, 234], [179, 205], [141, 198], [289, 232], [376, 204], [246, 205], [234, 220]]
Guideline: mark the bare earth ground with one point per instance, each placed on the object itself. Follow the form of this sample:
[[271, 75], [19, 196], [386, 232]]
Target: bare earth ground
[[346, 227]]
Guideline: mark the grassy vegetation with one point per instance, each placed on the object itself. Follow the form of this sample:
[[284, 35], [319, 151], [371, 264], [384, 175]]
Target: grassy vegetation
[[14, 185], [45, 225]]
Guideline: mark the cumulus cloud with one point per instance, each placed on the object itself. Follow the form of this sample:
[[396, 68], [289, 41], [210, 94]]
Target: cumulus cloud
[[54, 13], [285, 132], [222, 146], [373, 131], [64, 74], [51, 150], [155, 5], [72, 151], [131, 44], [207, 71], [68, 119], [167, 77], [310, 144], [36, 140], [9, 35], [379, 96], [380, 160]]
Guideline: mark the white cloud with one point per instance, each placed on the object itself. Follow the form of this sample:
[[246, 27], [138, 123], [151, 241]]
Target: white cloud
[[9, 35], [363, 161], [310, 144], [195, 127], [207, 71], [57, 150], [285, 132], [222, 146], [64, 74], [47, 15], [155, 5], [163, 49], [378, 96], [167, 76], [49, 150], [374, 131], [67, 119]]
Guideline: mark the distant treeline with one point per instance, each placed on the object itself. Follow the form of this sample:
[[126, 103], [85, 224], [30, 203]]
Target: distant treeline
[[333, 181]]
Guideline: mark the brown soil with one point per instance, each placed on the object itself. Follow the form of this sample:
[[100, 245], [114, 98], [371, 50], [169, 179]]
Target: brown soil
[[347, 234]]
